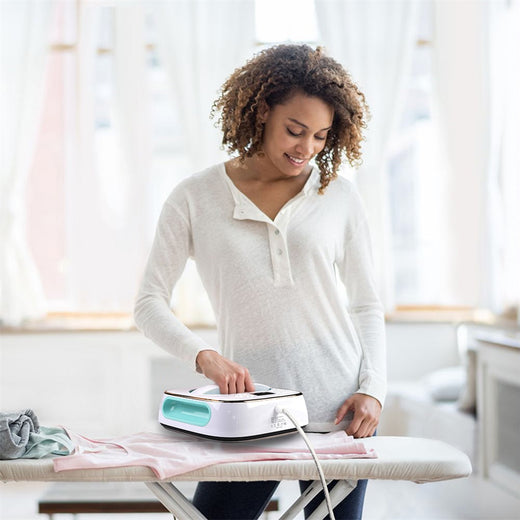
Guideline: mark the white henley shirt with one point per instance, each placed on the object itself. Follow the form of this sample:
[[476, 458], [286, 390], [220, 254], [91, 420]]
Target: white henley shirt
[[273, 285]]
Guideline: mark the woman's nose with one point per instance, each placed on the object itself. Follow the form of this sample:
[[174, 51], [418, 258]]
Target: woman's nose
[[306, 147]]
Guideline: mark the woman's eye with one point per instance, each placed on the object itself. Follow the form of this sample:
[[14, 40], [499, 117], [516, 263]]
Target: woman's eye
[[294, 134]]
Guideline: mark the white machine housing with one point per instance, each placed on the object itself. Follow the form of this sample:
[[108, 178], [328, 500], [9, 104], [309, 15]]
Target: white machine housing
[[206, 412]]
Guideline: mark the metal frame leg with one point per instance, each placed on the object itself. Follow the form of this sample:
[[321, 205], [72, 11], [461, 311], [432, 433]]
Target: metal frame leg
[[183, 509], [175, 501], [338, 493], [304, 499]]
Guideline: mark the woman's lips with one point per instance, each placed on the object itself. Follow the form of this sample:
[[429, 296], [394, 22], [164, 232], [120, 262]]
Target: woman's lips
[[296, 161]]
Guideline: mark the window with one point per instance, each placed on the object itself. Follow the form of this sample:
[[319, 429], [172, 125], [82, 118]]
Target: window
[[86, 270], [80, 228]]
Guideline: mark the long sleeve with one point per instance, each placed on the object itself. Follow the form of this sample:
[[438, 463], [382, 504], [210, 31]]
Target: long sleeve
[[364, 306], [171, 248]]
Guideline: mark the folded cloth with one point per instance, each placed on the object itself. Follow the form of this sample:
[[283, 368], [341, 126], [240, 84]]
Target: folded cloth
[[15, 430], [174, 454], [48, 441]]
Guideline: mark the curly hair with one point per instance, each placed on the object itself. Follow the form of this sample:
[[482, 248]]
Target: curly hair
[[271, 77]]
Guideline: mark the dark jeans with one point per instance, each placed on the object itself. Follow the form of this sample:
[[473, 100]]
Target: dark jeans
[[247, 500]]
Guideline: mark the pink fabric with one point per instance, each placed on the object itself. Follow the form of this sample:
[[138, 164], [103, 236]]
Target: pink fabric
[[170, 454]]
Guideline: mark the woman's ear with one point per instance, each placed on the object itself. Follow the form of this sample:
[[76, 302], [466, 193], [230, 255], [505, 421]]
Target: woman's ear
[[263, 111]]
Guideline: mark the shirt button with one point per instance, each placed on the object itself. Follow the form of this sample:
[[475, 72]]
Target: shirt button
[[279, 251], [276, 231]]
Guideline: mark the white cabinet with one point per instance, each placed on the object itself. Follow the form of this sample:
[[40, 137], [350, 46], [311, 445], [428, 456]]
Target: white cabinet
[[498, 407]]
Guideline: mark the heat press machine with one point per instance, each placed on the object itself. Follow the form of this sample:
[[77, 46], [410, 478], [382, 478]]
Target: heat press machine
[[207, 413]]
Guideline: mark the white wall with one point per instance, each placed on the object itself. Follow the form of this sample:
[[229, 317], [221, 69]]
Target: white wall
[[97, 383]]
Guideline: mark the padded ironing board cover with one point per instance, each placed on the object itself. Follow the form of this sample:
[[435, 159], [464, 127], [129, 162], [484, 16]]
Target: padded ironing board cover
[[399, 458]]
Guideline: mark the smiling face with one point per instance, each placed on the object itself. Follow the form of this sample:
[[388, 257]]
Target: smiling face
[[294, 133]]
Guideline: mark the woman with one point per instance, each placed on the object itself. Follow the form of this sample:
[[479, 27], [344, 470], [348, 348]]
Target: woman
[[271, 235]]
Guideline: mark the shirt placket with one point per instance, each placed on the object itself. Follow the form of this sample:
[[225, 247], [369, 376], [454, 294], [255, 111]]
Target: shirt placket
[[277, 233], [280, 259]]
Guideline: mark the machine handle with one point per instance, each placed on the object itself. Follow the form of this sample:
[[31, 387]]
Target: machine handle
[[214, 389], [187, 411]]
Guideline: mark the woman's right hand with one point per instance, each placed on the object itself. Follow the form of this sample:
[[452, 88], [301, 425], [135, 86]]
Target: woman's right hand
[[230, 377]]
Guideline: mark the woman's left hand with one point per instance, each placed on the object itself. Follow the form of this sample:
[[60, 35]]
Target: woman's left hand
[[367, 410]]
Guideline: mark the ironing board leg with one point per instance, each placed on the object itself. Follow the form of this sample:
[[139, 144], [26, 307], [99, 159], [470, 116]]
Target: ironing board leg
[[304, 499], [183, 509], [339, 492], [173, 500]]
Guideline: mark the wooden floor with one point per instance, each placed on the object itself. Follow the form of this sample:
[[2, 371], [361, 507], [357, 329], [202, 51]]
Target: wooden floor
[[461, 499]]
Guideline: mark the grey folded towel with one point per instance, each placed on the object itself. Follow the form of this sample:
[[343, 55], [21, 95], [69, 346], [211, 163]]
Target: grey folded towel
[[15, 429]]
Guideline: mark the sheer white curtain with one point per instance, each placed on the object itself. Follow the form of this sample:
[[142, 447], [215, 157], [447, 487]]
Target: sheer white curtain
[[132, 121], [510, 172], [106, 183], [200, 43], [476, 65], [80, 175], [374, 41], [24, 47]]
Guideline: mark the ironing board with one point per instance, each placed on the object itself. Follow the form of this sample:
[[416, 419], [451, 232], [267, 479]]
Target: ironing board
[[399, 458]]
